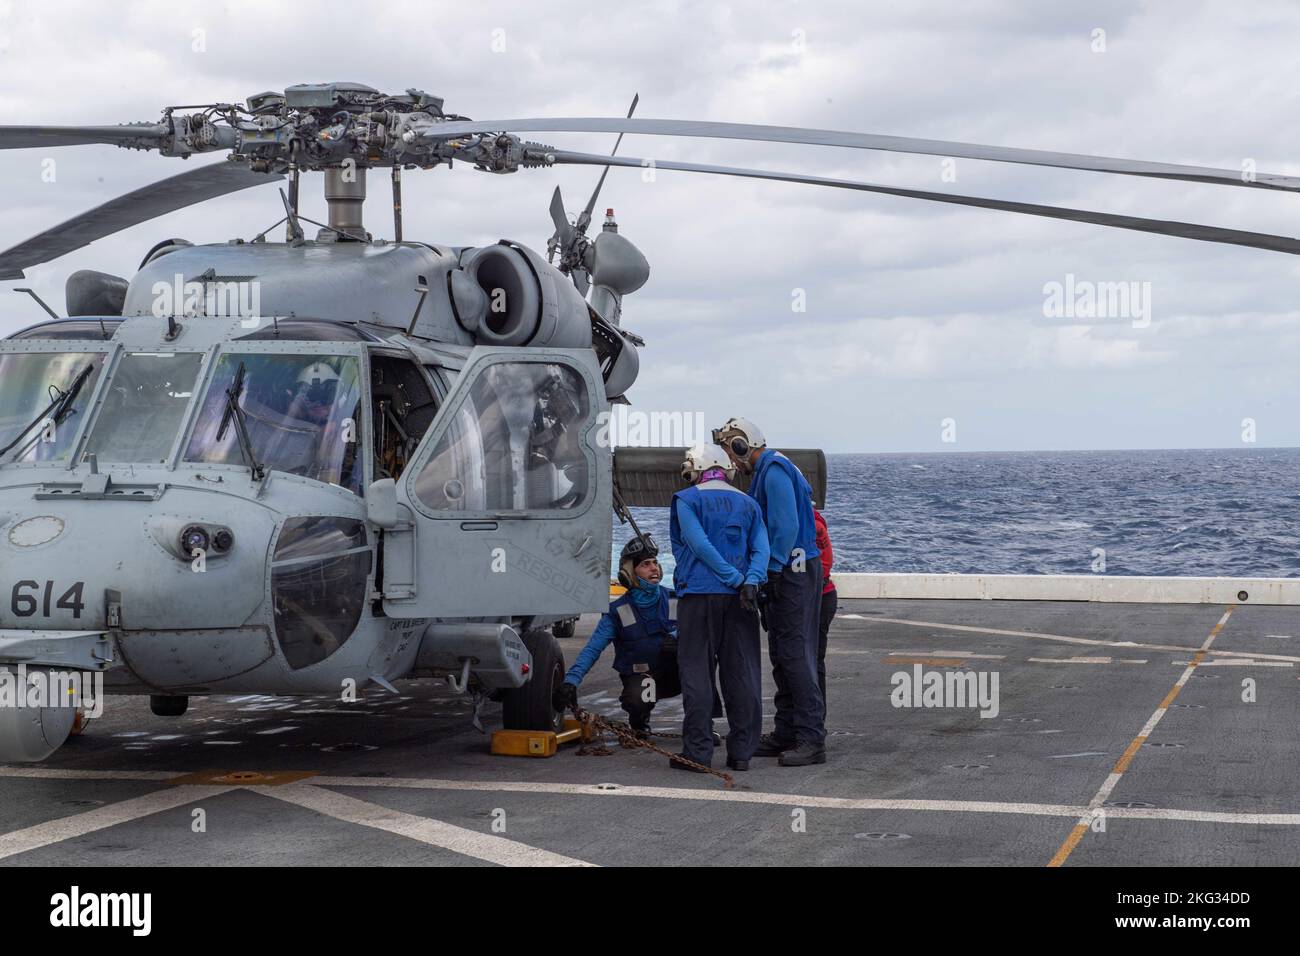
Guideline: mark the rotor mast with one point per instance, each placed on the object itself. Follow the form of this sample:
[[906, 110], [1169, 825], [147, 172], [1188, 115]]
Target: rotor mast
[[345, 195]]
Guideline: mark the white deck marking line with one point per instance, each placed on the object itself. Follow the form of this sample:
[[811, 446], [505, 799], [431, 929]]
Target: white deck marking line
[[1076, 640], [1071, 660], [1233, 662], [805, 800], [1085, 753], [56, 773], [778, 799], [481, 846], [79, 824], [1121, 765], [982, 657]]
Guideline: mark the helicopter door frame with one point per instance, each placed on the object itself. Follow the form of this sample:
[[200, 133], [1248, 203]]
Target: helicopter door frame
[[479, 549]]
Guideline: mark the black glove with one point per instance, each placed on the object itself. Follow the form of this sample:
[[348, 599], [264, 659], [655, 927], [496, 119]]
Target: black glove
[[772, 591], [565, 698], [749, 597]]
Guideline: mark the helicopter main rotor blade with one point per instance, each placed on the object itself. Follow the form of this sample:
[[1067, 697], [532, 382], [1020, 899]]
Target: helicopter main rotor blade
[[895, 144], [141, 205], [1163, 227], [29, 137]]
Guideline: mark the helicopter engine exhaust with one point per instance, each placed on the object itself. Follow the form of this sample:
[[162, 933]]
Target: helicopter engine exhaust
[[29, 734], [509, 295]]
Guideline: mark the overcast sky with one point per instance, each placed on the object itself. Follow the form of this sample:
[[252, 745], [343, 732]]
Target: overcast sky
[[915, 313]]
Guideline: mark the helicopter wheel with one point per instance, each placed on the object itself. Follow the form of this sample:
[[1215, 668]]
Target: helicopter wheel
[[564, 629], [529, 707], [168, 705]]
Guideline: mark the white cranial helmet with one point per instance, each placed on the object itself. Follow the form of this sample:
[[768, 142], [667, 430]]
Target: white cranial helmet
[[700, 458], [740, 434], [317, 373]]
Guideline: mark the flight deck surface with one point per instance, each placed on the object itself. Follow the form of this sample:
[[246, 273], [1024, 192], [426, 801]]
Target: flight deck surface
[[1124, 734]]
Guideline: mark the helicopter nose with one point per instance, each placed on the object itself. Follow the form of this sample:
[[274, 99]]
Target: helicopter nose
[[177, 568]]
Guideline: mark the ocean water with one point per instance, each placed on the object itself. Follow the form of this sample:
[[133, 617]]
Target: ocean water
[[1210, 512]]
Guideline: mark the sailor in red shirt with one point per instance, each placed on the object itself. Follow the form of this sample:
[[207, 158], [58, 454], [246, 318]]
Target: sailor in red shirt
[[829, 598]]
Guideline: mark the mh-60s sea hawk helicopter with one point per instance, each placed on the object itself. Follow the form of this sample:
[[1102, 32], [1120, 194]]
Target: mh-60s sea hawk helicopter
[[284, 467]]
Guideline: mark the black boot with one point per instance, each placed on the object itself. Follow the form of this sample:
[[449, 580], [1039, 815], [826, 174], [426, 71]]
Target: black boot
[[803, 756], [681, 766], [769, 745]]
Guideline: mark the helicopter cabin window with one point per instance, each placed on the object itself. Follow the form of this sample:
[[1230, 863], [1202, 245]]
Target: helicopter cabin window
[[43, 397], [299, 414], [144, 406], [403, 407], [513, 444]]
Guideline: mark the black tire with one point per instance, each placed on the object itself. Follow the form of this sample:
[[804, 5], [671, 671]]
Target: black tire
[[166, 705], [563, 630], [529, 707]]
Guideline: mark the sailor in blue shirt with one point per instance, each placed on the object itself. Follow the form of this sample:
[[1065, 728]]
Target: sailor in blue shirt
[[720, 545], [792, 593], [642, 626]]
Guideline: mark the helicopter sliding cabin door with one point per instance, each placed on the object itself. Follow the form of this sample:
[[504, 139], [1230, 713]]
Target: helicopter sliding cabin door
[[506, 502]]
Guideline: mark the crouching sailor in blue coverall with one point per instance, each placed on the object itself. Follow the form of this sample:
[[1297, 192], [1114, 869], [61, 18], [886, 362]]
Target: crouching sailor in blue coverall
[[642, 625], [720, 545]]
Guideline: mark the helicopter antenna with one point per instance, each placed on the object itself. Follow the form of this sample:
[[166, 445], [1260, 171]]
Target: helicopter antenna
[[294, 229], [422, 287], [39, 301]]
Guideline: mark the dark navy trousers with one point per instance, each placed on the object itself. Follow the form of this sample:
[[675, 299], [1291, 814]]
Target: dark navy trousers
[[715, 628], [793, 622]]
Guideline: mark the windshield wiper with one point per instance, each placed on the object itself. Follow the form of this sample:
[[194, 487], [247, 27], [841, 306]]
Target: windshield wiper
[[56, 410], [236, 414]]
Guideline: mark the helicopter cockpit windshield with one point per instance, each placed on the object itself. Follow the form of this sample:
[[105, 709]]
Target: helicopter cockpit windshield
[[43, 397], [302, 413], [144, 407]]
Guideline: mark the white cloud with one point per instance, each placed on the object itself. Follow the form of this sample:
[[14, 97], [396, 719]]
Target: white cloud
[[915, 311]]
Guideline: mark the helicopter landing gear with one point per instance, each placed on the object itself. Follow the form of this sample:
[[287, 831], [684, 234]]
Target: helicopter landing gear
[[529, 707], [166, 705], [563, 630]]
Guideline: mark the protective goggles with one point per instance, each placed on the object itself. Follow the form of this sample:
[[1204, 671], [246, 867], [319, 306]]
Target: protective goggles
[[639, 549]]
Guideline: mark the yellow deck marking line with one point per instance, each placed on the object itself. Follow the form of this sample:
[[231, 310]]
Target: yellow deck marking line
[[79, 824], [1075, 640], [244, 778], [481, 846], [1081, 828]]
